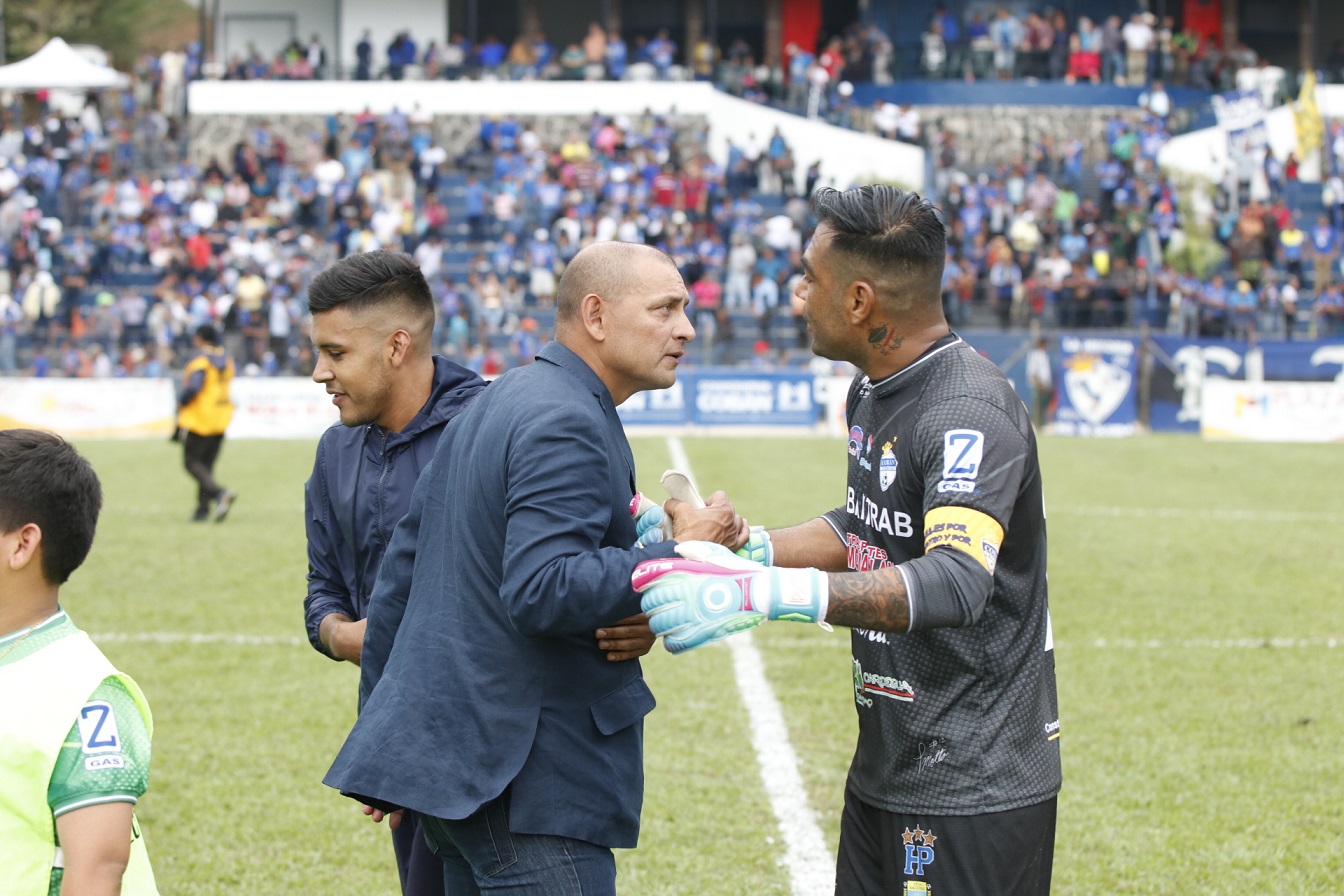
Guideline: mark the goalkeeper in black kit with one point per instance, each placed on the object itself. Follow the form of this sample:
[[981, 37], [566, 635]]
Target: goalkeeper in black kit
[[936, 561]]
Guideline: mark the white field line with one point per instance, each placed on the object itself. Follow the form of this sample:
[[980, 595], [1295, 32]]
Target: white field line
[[229, 638], [1213, 643], [1227, 515], [1271, 643], [817, 643], [1223, 515], [810, 864]]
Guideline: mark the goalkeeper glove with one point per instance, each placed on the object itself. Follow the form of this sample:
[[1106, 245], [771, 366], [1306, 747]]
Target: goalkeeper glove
[[652, 525], [758, 548], [710, 592]]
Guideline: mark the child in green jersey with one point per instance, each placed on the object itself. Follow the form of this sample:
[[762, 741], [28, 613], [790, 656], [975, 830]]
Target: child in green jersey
[[74, 732]]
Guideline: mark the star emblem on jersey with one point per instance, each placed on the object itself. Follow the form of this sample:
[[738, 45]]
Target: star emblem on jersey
[[918, 852]]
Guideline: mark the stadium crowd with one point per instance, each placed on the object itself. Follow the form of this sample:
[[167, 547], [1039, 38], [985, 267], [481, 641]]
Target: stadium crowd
[[1042, 43], [114, 249]]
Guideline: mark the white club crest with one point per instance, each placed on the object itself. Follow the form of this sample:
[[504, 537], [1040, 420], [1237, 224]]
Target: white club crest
[[886, 467]]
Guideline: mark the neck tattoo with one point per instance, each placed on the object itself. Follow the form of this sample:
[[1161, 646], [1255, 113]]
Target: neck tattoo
[[884, 340]]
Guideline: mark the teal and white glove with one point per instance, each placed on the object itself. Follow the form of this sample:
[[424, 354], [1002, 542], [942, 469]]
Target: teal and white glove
[[709, 592], [651, 523], [758, 548]]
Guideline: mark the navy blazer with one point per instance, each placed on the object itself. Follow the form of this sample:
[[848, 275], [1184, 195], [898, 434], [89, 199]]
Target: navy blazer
[[480, 669]]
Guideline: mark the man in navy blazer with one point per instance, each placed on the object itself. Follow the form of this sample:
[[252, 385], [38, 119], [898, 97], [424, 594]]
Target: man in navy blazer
[[487, 708]]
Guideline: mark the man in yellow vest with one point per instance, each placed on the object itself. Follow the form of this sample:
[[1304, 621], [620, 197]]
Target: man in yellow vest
[[204, 412], [74, 732]]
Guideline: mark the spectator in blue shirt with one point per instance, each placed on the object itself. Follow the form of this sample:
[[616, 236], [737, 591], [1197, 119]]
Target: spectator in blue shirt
[[490, 54], [475, 198], [662, 52], [1243, 305], [1213, 308], [617, 56]]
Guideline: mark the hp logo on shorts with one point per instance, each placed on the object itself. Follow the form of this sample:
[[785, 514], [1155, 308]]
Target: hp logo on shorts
[[918, 850]]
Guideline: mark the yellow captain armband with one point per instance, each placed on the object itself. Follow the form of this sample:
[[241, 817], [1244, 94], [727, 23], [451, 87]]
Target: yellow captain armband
[[966, 530]]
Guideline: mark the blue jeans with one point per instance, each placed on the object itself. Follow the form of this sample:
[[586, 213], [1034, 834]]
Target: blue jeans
[[481, 854]]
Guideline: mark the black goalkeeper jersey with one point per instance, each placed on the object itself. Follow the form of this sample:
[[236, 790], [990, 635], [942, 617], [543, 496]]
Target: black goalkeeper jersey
[[952, 721]]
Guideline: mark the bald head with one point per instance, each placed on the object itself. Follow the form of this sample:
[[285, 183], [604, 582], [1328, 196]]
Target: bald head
[[608, 269]]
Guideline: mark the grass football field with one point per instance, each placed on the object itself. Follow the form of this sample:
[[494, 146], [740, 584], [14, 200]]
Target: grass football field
[[1197, 596]]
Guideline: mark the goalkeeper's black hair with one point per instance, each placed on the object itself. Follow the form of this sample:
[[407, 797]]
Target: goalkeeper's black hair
[[367, 280], [44, 480], [894, 234]]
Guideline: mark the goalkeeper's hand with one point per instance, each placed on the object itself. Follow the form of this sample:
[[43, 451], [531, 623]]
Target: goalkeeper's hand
[[653, 525], [709, 593]]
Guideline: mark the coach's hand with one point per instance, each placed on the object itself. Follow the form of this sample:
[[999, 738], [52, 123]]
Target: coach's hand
[[710, 592], [628, 639], [393, 818], [716, 522]]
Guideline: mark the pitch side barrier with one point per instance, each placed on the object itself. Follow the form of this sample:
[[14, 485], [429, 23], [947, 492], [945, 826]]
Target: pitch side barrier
[[1107, 385]]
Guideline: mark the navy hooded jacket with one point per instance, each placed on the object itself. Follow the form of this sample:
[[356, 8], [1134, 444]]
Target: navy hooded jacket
[[360, 487]]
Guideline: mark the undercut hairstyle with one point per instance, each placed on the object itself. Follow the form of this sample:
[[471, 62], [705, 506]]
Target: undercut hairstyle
[[606, 269], [894, 235], [44, 480], [375, 280]]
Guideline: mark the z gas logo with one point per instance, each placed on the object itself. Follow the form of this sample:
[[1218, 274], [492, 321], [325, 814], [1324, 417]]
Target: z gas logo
[[98, 728], [963, 450]]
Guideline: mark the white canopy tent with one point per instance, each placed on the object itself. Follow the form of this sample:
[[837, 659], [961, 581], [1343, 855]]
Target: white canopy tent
[[56, 65]]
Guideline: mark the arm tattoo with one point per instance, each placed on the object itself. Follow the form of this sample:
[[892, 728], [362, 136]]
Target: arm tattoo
[[871, 600], [884, 340]]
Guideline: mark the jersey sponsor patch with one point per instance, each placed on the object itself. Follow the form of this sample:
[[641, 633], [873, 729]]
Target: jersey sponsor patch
[[876, 516], [963, 450], [868, 685], [109, 760], [864, 557], [966, 530], [855, 440], [98, 729]]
